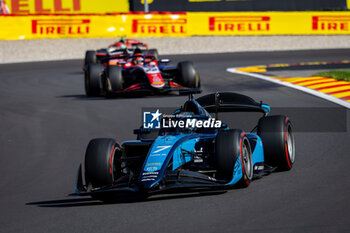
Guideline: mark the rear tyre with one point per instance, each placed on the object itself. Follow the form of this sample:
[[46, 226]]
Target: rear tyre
[[154, 52], [278, 141], [188, 76], [90, 58], [92, 79], [99, 162], [229, 145]]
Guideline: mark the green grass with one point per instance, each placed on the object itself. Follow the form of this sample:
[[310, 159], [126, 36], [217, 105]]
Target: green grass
[[343, 75]]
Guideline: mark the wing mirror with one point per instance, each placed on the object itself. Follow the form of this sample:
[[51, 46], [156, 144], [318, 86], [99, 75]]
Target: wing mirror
[[164, 60], [142, 131]]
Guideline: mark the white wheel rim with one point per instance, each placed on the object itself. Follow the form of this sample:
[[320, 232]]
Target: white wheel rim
[[290, 145], [247, 160]]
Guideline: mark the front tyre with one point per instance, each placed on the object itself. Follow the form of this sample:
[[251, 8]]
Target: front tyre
[[188, 76], [231, 145], [278, 140], [99, 162], [113, 81]]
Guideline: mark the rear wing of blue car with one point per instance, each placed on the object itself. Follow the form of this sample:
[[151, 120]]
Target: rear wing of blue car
[[231, 102]]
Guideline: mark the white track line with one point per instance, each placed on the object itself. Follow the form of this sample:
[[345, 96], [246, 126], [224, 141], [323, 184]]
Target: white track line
[[301, 88]]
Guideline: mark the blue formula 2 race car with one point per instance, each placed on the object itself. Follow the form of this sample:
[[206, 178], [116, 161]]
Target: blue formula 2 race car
[[191, 157]]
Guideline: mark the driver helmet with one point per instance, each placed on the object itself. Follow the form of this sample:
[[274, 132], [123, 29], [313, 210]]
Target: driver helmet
[[138, 60], [148, 60], [137, 52]]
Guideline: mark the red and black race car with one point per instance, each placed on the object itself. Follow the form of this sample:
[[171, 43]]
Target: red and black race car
[[139, 74], [129, 43], [123, 47]]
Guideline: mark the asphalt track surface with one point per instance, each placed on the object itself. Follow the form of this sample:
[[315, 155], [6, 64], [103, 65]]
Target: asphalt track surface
[[46, 122]]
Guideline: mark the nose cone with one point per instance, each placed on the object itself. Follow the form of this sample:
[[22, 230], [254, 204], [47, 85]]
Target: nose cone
[[158, 159], [149, 180], [156, 80]]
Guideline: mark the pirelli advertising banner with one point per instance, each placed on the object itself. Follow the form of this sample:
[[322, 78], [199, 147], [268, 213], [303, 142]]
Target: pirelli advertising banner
[[38, 27], [182, 24], [272, 23], [67, 6]]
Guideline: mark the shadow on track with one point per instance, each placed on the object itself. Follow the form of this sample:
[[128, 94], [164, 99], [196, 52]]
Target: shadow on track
[[72, 202], [121, 96], [81, 202]]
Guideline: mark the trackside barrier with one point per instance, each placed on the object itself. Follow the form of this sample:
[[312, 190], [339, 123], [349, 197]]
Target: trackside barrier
[[239, 5], [174, 24]]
